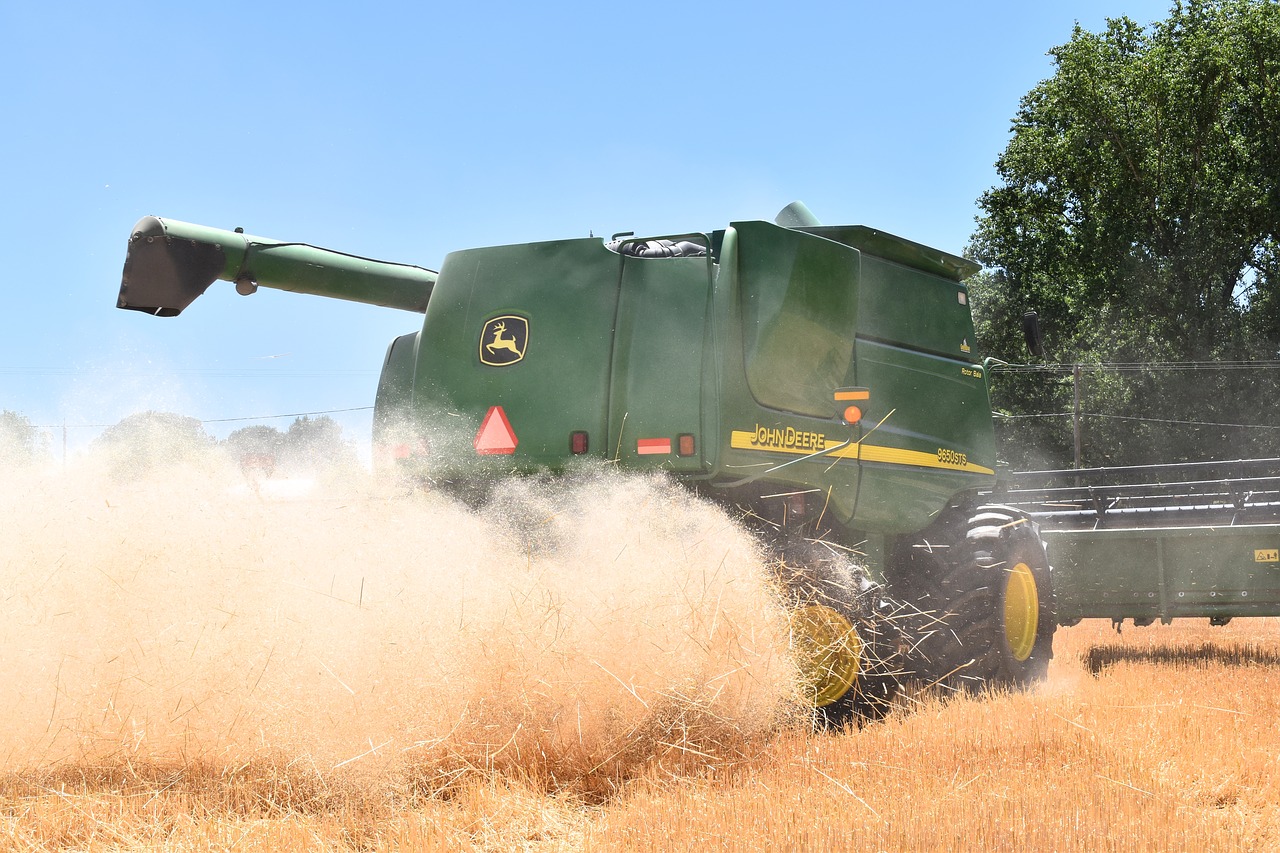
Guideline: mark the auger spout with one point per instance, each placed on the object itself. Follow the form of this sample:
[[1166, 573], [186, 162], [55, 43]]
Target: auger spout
[[170, 263]]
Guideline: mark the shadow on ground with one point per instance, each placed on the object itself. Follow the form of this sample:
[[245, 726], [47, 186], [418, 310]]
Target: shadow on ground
[[1099, 658]]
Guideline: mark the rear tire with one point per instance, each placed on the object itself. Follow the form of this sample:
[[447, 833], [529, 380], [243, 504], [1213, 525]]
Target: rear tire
[[983, 599], [843, 637]]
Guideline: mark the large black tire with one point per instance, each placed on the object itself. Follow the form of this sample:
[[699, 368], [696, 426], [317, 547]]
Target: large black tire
[[982, 593], [844, 638]]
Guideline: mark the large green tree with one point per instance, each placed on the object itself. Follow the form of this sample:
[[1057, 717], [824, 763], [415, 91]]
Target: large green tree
[[1138, 212]]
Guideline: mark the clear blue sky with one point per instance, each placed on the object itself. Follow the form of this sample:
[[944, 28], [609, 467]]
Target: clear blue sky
[[407, 130]]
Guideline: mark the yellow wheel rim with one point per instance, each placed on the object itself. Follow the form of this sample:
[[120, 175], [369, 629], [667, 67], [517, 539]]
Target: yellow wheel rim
[[1021, 611], [828, 651]]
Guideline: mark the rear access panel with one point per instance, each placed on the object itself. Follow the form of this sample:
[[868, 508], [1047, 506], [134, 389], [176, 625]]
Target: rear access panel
[[655, 387], [514, 357]]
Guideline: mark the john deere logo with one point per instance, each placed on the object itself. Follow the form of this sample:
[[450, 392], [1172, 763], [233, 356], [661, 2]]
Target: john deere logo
[[503, 340]]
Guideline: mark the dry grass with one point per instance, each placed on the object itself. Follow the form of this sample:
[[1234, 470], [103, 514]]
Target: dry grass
[[189, 667], [1171, 746]]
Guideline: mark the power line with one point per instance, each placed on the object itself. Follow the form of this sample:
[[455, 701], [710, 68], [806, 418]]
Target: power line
[[1192, 423], [212, 373], [218, 420], [292, 415], [1002, 416], [1137, 366]]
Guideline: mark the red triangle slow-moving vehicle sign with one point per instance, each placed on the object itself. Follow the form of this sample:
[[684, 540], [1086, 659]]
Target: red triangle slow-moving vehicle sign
[[496, 435]]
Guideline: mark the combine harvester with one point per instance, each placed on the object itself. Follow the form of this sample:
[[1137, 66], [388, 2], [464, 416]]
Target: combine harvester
[[820, 383]]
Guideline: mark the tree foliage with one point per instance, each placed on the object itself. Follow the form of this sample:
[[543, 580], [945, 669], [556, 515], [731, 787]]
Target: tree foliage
[[1139, 214], [316, 444], [258, 440], [21, 444], [308, 446], [147, 441]]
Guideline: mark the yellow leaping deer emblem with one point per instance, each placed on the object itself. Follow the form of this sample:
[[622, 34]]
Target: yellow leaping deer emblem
[[503, 340]]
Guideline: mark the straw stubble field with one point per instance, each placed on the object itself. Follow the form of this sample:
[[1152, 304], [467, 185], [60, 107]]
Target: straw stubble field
[[596, 666]]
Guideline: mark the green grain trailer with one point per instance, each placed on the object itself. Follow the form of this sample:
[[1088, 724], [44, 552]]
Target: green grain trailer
[[1159, 541], [819, 381]]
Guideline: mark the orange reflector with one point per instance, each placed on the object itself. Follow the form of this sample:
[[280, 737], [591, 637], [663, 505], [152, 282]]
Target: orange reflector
[[685, 445], [852, 415], [653, 446], [496, 435], [578, 442], [844, 395], [404, 450]]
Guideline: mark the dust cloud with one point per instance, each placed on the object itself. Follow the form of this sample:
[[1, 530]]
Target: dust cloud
[[571, 633]]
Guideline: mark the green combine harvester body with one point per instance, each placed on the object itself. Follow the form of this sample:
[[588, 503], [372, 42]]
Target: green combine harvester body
[[821, 379], [717, 368]]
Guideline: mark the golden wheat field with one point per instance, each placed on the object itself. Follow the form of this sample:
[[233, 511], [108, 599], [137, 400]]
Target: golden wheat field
[[192, 663]]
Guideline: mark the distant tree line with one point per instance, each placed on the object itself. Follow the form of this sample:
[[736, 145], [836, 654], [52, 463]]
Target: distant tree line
[[145, 440], [306, 443], [1138, 213], [21, 444]]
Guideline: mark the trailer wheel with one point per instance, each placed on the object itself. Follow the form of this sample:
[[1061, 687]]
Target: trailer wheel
[[843, 639], [983, 599]]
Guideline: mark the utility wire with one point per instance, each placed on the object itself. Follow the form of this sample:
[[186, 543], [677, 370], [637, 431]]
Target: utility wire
[[1005, 417], [1136, 366], [1193, 423], [214, 372], [217, 420], [242, 373], [293, 415]]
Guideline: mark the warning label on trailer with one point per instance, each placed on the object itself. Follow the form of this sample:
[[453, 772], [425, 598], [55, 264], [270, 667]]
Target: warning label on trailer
[[1267, 555]]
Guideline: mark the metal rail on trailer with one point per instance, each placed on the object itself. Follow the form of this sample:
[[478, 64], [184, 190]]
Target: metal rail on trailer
[[1158, 541]]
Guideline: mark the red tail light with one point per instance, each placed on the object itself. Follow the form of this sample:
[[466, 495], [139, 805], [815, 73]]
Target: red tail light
[[578, 442], [685, 445]]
